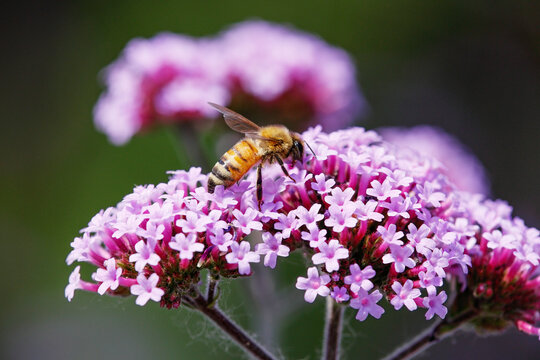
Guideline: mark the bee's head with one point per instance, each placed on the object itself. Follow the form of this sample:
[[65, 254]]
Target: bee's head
[[297, 149]]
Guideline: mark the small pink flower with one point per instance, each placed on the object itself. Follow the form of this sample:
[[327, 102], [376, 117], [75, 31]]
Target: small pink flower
[[240, 254], [405, 295], [186, 245], [271, 248], [390, 236], [108, 277], [221, 239], [145, 255], [245, 221], [329, 254], [313, 284], [339, 294], [341, 218], [382, 191], [193, 223], [146, 289], [367, 304], [359, 279], [400, 257], [434, 303], [321, 185], [309, 217]]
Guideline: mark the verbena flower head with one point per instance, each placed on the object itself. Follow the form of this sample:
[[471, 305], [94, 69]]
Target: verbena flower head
[[164, 79], [170, 78], [375, 221], [275, 67], [503, 284], [459, 164], [372, 219], [157, 240]]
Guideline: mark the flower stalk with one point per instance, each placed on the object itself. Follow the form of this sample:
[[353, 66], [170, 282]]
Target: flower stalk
[[332, 330], [211, 293], [247, 343], [441, 329], [188, 137]]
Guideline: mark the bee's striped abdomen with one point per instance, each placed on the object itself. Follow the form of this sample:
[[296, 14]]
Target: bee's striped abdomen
[[234, 164]]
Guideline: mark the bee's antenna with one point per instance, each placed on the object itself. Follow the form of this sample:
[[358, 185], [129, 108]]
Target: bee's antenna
[[313, 152]]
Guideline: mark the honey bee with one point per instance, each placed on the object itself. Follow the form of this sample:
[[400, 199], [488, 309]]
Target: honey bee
[[260, 145]]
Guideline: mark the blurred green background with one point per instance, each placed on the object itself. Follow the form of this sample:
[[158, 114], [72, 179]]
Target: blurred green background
[[472, 68]]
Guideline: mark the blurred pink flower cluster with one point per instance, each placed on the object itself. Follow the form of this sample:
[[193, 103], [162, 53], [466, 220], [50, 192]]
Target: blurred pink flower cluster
[[457, 162], [170, 78]]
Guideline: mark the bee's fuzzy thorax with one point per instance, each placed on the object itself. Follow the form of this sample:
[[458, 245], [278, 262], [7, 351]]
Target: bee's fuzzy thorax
[[277, 132]]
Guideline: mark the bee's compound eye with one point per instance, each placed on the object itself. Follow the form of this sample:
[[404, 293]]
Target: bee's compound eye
[[298, 150], [300, 147]]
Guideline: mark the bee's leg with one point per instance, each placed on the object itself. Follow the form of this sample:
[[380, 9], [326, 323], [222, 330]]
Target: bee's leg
[[283, 167], [259, 184]]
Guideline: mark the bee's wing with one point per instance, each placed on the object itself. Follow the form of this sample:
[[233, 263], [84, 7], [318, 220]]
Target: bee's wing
[[236, 121]]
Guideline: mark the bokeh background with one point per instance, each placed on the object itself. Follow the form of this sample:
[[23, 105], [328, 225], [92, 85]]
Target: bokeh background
[[470, 67]]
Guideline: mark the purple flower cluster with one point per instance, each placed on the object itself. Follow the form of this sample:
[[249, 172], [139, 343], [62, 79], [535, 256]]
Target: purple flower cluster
[[504, 280], [277, 67], [375, 221], [156, 241], [372, 220], [460, 165], [170, 78]]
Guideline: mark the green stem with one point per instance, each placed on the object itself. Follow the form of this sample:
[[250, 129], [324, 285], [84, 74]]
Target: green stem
[[432, 335], [232, 329], [191, 146], [332, 329], [213, 282]]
